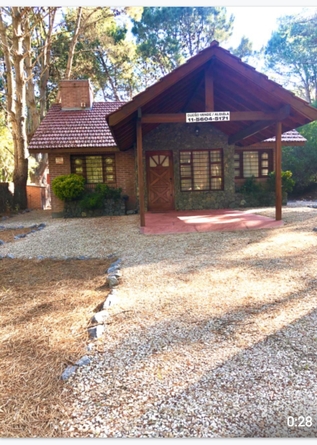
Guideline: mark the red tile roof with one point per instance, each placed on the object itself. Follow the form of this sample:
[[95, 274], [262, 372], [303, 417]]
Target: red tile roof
[[75, 128], [89, 128], [289, 136]]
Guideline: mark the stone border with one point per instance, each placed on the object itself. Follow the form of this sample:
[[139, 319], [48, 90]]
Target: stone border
[[34, 227], [114, 277]]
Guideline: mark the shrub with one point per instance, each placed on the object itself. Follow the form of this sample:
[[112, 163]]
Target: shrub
[[287, 182], [108, 192], [95, 199], [69, 187], [251, 186], [91, 201]]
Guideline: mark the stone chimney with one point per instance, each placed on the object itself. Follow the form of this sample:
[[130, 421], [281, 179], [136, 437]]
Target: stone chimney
[[75, 94]]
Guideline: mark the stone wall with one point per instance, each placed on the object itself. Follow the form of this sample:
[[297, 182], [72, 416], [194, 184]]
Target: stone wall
[[177, 137], [111, 208]]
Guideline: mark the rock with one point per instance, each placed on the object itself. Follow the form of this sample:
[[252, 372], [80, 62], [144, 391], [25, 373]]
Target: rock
[[1, 242], [112, 281], [90, 347], [109, 256], [41, 226], [100, 317], [40, 257], [81, 257], [110, 301], [68, 372], [315, 229], [116, 263], [85, 360], [96, 331], [113, 268], [9, 255], [116, 273], [2, 227], [131, 212]]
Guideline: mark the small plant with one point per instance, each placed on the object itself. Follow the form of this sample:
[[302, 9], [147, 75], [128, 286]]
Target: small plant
[[287, 181], [95, 199], [91, 201], [251, 186], [108, 192], [69, 187]]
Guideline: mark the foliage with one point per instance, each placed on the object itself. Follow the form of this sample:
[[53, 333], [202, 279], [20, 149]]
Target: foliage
[[68, 187], [291, 54], [167, 36], [251, 186], [95, 199], [6, 153], [287, 182], [109, 192], [243, 50]]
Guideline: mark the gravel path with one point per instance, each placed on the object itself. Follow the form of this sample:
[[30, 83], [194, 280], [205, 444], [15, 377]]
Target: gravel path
[[214, 334]]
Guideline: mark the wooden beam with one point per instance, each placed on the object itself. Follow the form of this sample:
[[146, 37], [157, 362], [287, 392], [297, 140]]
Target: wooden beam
[[140, 168], [266, 86], [249, 131], [158, 88], [170, 118], [209, 88], [184, 109], [278, 170]]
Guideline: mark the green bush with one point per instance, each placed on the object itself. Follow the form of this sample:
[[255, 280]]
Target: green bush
[[251, 186], [108, 192], [287, 182], [95, 199], [69, 187], [92, 201]]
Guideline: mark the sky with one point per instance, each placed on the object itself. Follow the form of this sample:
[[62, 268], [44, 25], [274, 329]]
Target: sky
[[258, 22]]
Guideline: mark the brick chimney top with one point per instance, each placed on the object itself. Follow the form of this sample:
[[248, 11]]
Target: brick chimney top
[[76, 94]]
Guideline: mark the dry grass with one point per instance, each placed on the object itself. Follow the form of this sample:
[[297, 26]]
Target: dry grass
[[45, 310], [7, 235]]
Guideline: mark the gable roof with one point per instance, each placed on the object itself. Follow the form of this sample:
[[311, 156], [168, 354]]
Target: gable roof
[[75, 128], [237, 87]]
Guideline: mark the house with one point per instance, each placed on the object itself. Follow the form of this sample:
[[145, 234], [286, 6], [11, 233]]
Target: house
[[183, 143]]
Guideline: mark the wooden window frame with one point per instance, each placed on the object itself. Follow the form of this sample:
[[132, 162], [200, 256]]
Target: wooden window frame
[[260, 162], [192, 167], [104, 165]]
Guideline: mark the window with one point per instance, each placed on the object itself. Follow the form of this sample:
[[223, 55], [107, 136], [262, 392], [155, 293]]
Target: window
[[253, 163], [201, 170], [95, 169]]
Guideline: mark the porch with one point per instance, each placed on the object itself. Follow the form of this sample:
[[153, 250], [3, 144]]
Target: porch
[[186, 221]]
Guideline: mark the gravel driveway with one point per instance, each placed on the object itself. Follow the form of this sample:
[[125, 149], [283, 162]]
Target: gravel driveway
[[214, 334]]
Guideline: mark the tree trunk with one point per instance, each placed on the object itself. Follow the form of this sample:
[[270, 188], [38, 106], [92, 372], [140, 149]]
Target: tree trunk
[[20, 173]]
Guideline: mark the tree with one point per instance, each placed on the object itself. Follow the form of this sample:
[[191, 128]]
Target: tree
[[244, 49], [166, 37], [291, 54], [6, 152]]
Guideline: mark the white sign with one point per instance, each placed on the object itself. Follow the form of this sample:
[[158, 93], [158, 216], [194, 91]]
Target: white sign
[[208, 116]]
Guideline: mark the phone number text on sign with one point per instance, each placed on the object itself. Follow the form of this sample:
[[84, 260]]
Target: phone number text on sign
[[210, 116]]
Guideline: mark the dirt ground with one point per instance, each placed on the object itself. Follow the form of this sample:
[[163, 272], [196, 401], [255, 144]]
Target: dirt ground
[[45, 309]]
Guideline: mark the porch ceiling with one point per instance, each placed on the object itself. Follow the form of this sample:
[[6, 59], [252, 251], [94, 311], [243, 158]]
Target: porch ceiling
[[236, 87]]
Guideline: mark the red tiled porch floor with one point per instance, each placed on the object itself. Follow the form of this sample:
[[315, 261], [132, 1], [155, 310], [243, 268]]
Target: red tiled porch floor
[[206, 221]]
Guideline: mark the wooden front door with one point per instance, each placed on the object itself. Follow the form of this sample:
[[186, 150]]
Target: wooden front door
[[160, 181]]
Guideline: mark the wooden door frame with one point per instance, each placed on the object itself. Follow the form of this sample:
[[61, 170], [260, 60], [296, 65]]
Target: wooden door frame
[[168, 153]]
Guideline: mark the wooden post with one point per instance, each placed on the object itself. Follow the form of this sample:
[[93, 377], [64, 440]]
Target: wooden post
[[278, 170], [140, 168]]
